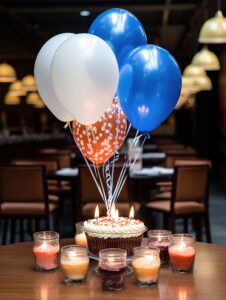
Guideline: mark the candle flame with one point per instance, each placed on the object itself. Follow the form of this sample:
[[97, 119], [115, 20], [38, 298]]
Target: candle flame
[[131, 213], [44, 245], [97, 213], [113, 211], [116, 216]]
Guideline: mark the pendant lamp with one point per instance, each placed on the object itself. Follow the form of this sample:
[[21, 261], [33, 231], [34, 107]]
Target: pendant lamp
[[16, 88], [11, 99], [198, 77], [29, 83], [7, 73], [213, 30], [206, 59]]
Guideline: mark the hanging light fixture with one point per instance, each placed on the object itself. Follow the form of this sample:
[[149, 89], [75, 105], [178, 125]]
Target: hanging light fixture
[[182, 100], [7, 73], [33, 98], [198, 77], [206, 59], [17, 89], [11, 99], [189, 86], [29, 83], [213, 30], [39, 105]]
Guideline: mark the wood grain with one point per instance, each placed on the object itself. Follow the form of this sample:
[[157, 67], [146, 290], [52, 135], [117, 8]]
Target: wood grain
[[18, 280]]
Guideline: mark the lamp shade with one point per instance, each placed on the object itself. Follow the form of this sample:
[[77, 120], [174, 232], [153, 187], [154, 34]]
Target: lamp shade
[[7, 73], [189, 86], [183, 99], [39, 105], [194, 71], [206, 59], [29, 83], [17, 89], [213, 30], [33, 98], [204, 83], [11, 99]]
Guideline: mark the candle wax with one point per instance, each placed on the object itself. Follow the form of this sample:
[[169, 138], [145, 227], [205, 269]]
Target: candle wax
[[146, 269], [81, 240], [112, 276], [163, 247], [75, 269], [182, 257], [46, 256]]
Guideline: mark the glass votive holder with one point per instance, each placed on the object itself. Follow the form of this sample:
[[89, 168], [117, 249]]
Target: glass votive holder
[[74, 263], [80, 237], [46, 248], [146, 265], [182, 252], [161, 240], [112, 266]]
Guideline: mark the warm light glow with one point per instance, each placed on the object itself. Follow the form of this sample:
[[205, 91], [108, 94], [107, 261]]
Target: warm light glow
[[16, 88], [29, 83], [97, 213], [113, 211], [7, 73], [131, 213], [11, 99], [44, 245], [33, 98], [116, 216]]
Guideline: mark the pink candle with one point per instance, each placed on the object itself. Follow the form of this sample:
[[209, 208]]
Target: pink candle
[[46, 256], [46, 248]]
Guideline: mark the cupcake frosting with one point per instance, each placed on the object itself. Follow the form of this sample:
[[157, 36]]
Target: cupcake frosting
[[105, 227]]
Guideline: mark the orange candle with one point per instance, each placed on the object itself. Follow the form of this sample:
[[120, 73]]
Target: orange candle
[[74, 263], [146, 264], [80, 239]]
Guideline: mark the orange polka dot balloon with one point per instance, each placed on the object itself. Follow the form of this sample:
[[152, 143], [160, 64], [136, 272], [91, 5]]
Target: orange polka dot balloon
[[99, 141]]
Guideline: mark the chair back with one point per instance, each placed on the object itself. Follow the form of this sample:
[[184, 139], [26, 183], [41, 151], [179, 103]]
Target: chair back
[[22, 184], [51, 165], [191, 181], [63, 156], [89, 191]]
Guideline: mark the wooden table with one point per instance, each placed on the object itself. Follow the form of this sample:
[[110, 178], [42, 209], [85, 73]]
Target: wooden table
[[19, 281]]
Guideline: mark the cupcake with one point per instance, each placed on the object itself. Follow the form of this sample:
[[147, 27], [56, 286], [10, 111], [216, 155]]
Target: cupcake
[[105, 233]]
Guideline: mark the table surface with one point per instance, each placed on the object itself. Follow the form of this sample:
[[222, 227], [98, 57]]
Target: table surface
[[18, 280]]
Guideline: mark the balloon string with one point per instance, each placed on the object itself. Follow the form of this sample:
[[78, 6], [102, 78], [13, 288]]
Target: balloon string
[[123, 176], [102, 187], [122, 173], [66, 124], [87, 163], [116, 154]]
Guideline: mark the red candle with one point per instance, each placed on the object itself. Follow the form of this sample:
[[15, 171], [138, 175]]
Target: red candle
[[182, 253], [46, 256], [181, 257]]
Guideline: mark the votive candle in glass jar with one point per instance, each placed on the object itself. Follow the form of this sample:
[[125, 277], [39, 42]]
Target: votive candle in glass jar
[[182, 252], [161, 240], [112, 266], [146, 265], [80, 237], [74, 262], [46, 248]]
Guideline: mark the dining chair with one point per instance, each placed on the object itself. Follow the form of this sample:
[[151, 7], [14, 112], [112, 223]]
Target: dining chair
[[24, 197], [55, 187], [90, 196], [189, 197]]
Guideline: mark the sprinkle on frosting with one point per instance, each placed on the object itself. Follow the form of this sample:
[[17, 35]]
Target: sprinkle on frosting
[[106, 227]]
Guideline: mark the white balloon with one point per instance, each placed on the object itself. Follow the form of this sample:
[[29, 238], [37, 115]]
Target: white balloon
[[43, 79], [85, 76]]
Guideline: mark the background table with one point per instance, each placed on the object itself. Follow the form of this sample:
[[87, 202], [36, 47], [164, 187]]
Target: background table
[[19, 281]]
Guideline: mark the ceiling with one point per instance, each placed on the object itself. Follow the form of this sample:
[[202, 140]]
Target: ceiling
[[26, 24]]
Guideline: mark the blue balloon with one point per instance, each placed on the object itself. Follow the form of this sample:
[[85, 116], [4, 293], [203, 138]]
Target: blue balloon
[[120, 29], [149, 86]]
